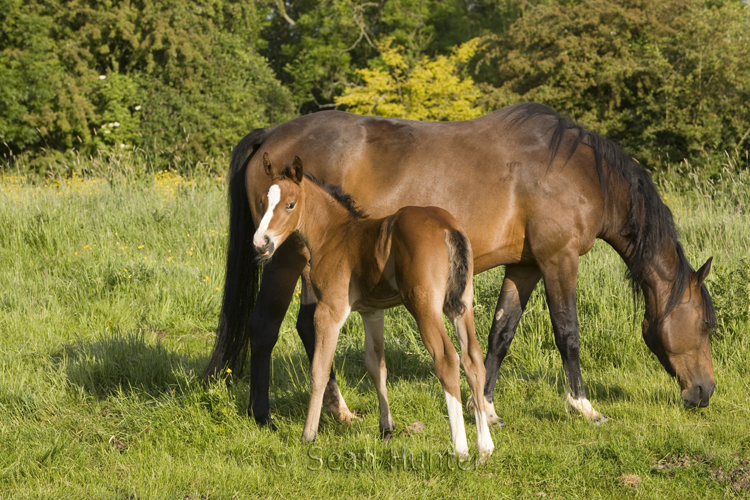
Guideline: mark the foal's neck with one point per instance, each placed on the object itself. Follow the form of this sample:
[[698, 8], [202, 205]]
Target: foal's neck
[[324, 218]]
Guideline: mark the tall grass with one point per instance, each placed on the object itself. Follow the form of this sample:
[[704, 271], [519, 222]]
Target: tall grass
[[110, 288]]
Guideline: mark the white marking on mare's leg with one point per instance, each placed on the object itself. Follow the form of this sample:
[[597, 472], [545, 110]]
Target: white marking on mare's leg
[[583, 406], [274, 196], [458, 431], [499, 314]]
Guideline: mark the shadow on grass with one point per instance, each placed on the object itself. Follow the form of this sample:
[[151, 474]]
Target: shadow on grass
[[133, 362], [290, 377]]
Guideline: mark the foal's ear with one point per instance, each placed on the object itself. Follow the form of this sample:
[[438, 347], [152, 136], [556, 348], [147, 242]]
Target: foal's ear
[[700, 274], [267, 165], [297, 170]]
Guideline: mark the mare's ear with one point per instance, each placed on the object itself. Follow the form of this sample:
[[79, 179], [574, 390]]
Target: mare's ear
[[700, 274], [297, 170], [267, 165]]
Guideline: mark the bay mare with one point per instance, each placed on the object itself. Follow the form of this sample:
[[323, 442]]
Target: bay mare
[[418, 256], [532, 190]]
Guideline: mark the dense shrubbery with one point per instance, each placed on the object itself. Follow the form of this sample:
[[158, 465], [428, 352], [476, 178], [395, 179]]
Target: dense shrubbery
[[160, 73], [669, 79], [666, 80]]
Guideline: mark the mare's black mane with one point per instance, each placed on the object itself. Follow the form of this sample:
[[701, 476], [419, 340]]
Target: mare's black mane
[[649, 221]]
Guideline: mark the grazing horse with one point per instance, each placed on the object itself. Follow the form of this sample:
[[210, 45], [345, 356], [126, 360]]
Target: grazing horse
[[418, 256], [532, 190]]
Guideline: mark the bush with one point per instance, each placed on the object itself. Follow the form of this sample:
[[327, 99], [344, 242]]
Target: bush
[[666, 80], [160, 73]]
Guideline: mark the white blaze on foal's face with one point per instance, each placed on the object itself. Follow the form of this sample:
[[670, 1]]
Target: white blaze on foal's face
[[273, 196]]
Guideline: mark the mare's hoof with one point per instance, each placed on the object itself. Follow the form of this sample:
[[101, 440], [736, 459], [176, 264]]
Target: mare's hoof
[[386, 434], [265, 421], [495, 421]]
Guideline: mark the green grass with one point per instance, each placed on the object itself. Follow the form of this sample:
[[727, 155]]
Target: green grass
[[110, 291]]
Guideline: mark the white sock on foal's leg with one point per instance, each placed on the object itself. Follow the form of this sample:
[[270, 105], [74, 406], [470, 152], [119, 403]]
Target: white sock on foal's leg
[[458, 431]]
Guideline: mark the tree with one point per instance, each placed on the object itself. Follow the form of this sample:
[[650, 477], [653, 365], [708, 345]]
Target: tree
[[158, 73], [433, 89], [316, 46], [669, 79]]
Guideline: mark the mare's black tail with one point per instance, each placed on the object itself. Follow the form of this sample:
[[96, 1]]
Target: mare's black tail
[[243, 271], [459, 253]]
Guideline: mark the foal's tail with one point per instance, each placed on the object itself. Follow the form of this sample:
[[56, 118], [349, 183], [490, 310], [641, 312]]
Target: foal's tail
[[459, 274], [243, 270]]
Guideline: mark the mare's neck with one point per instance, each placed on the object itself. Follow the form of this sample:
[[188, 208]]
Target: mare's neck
[[656, 277]]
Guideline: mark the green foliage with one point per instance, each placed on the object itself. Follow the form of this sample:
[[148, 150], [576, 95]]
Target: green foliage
[[434, 89], [665, 80], [185, 77], [318, 55]]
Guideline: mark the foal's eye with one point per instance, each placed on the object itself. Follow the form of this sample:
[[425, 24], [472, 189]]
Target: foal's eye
[[290, 206]]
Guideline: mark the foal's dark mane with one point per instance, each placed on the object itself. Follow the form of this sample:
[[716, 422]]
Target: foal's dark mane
[[649, 221], [337, 192]]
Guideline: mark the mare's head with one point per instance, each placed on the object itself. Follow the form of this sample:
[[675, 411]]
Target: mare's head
[[280, 206], [680, 337]]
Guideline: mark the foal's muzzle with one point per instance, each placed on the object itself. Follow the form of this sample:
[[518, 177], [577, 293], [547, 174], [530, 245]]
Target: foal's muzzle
[[264, 251]]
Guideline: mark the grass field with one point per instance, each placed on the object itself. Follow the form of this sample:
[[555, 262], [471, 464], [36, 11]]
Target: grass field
[[110, 290]]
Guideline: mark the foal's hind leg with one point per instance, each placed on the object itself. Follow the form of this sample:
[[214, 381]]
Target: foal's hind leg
[[333, 401], [518, 284], [430, 322], [560, 276], [471, 360], [375, 361]]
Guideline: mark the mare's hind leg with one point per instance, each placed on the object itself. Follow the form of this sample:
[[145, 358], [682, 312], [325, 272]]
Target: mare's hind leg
[[333, 401], [276, 289], [560, 276], [471, 360], [518, 284], [375, 361]]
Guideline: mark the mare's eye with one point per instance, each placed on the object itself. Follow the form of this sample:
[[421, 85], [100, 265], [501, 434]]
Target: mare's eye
[[290, 206]]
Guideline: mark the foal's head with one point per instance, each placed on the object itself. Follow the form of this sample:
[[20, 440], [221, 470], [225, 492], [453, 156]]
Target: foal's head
[[281, 208]]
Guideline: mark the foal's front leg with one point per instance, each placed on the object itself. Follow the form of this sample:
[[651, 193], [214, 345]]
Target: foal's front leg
[[373, 323], [332, 399], [328, 322]]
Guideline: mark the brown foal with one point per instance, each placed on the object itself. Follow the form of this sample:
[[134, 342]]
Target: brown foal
[[418, 256]]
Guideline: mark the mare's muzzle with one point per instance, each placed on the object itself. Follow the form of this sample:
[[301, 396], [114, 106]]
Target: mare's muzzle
[[699, 393]]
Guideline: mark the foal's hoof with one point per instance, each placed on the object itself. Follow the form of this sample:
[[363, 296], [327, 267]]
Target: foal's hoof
[[484, 456], [308, 437]]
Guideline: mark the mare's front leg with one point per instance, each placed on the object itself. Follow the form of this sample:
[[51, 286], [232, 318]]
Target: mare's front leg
[[333, 401], [328, 322], [277, 286], [560, 276], [373, 323], [518, 284]]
